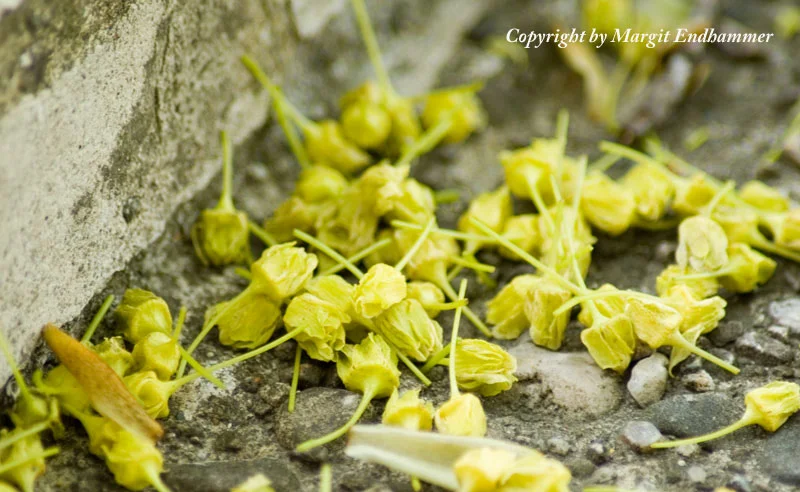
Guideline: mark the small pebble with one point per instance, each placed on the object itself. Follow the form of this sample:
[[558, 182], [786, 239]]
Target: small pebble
[[727, 332], [649, 379], [688, 450], [599, 452], [696, 474], [558, 446], [763, 350], [640, 435], [786, 313], [779, 332], [699, 382]]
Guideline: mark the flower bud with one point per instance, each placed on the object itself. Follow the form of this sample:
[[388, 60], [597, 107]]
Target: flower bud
[[408, 328], [381, 186], [484, 367], [786, 229], [319, 183], [151, 392], [506, 311], [282, 271], [609, 306], [327, 143], [102, 432], [408, 411], [322, 322], [771, 405], [113, 352], [747, 269], [546, 329], [406, 127], [350, 223], [532, 167], [763, 197], [369, 367], [294, 213], [142, 312], [427, 294], [700, 316], [159, 353], [416, 204], [61, 384], [740, 225], [461, 415], [480, 470], [652, 189], [492, 208], [607, 205], [461, 107], [522, 231], [700, 287], [333, 289], [221, 237], [24, 476], [610, 342], [535, 473], [693, 194], [380, 288], [134, 461], [366, 124], [248, 321], [702, 245], [431, 259], [653, 322]]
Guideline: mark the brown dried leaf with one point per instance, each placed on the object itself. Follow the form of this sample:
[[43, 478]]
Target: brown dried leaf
[[107, 393]]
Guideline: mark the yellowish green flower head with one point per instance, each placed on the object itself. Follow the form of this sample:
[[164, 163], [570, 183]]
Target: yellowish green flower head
[[134, 461], [142, 312], [369, 367], [493, 208], [482, 469], [531, 167], [693, 194], [461, 415], [611, 342], [786, 229], [536, 473], [461, 107], [115, 354], [365, 120], [653, 322], [700, 316], [151, 392], [608, 205], [381, 187], [61, 384], [25, 475], [608, 307], [319, 183], [747, 269], [282, 271], [380, 288], [410, 330], [484, 367], [547, 330], [326, 143], [408, 411], [431, 259], [427, 294], [294, 213], [247, 321], [406, 127], [672, 276], [764, 197], [322, 323], [415, 204], [221, 237], [159, 353], [771, 406], [333, 289], [652, 189], [702, 244], [506, 311], [524, 232]]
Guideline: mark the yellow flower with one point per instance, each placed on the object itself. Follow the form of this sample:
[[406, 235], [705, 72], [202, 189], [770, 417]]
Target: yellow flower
[[333, 289], [134, 461], [610, 342], [61, 384], [484, 367], [408, 411], [26, 474], [113, 352], [427, 294], [369, 367], [323, 326], [492, 208], [319, 183], [764, 197], [159, 353], [536, 473], [693, 194], [786, 229], [481, 470], [408, 328], [702, 244], [546, 329], [248, 321], [142, 312], [700, 287], [529, 169], [654, 323], [524, 232], [366, 123], [506, 311], [151, 392], [461, 107], [652, 188], [221, 237], [416, 203], [294, 213], [607, 205], [282, 271], [461, 415], [609, 306], [747, 269], [326, 143], [380, 288]]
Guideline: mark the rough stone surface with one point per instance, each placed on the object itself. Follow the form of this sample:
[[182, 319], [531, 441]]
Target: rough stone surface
[[781, 453], [692, 415], [640, 434], [786, 313], [575, 382], [222, 476], [649, 379], [700, 381], [763, 349], [727, 331]]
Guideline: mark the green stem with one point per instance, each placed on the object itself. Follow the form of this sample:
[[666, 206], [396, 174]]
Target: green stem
[[451, 294], [446, 196], [743, 422], [15, 436], [226, 197], [445, 306], [527, 257], [416, 246], [25, 392], [325, 478], [295, 378], [605, 162], [462, 290], [46, 453], [291, 133], [98, 317], [718, 196], [155, 479], [471, 264], [411, 366], [426, 142], [176, 333], [324, 248], [261, 234], [243, 272], [591, 295], [438, 231], [304, 123], [202, 371], [366, 398], [700, 276], [677, 340], [371, 43], [537, 199], [359, 256], [436, 358], [760, 242]]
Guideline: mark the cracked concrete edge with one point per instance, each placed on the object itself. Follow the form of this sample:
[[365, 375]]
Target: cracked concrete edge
[[122, 128]]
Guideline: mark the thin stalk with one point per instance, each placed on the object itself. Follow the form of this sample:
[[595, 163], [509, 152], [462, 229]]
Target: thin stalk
[[202, 371], [445, 306], [438, 231], [426, 142], [416, 246], [291, 134], [176, 333], [371, 44], [295, 378], [537, 200], [720, 194], [6, 467], [446, 196], [366, 398], [411, 366], [468, 313], [292, 112], [436, 358], [261, 234], [770, 247], [325, 478], [329, 251], [462, 290], [25, 392], [359, 256], [699, 276], [15, 436], [98, 317], [677, 340], [591, 295], [155, 480], [743, 422], [243, 272], [226, 197], [604, 163], [527, 257], [472, 264]]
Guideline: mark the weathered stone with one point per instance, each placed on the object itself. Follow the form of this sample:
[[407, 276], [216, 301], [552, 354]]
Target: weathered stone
[[699, 382], [786, 313], [573, 379], [693, 415], [780, 454], [779, 332], [696, 474], [763, 349], [649, 379], [726, 332], [640, 435], [219, 476], [558, 446]]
